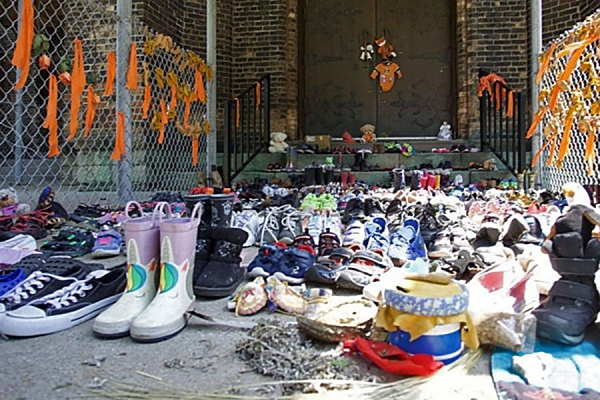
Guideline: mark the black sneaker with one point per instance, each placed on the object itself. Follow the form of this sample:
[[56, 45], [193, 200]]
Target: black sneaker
[[372, 207], [40, 284], [441, 245], [355, 209], [81, 301], [304, 238]]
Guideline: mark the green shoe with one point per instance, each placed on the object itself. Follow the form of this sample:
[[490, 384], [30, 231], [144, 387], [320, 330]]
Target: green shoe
[[310, 202], [327, 202]]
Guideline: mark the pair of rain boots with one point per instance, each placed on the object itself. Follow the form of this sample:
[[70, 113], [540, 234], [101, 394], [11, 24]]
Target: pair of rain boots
[[159, 291]]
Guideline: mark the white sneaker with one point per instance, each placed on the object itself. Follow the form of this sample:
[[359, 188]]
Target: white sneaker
[[316, 226], [355, 233], [333, 222], [19, 242], [248, 221]]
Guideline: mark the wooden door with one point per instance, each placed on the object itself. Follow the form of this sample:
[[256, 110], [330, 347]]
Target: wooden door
[[339, 94], [338, 98]]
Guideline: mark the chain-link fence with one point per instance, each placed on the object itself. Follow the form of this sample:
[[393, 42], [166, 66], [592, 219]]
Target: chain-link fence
[[569, 101], [84, 170]]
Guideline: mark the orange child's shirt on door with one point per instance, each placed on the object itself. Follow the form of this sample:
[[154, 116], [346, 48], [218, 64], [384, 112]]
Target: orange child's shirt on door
[[387, 75]]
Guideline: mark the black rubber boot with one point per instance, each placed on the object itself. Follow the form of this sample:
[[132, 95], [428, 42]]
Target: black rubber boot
[[204, 248], [223, 274], [319, 176], [514, 229], [309, 174], [222, 207], [329, 175], [573, 301], [357, 162], [190, 202]]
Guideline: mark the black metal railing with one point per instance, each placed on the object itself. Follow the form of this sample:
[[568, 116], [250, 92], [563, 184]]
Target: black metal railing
[[503, 125], [247, 127]]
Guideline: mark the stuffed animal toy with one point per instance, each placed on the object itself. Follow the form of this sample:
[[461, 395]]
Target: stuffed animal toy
[[56, 213], [368, 132], [385, 49], [278, 144], [9, 203]]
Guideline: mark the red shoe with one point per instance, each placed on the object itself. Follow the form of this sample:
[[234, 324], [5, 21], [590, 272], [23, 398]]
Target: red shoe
[[348, 138]]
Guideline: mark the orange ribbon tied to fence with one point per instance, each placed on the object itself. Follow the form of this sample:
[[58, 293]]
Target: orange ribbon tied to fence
[[90, 114], [194, 151], [199, 86], [146, 104], [163, 121], [22, 55], [111, 74], [132, 70], [119, 151], [51, 122], [77, 88], [173, 103], [545, 64], [510, 110]]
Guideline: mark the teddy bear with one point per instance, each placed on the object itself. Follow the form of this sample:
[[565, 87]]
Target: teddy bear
[[368, 133], [385, 49], [277, 143], [9, 203]]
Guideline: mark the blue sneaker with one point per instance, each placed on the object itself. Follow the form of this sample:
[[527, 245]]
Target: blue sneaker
[[296, 262], [377, 241], [376, 225], [269, 255], [108, 244], [400, 242], [417, 244]]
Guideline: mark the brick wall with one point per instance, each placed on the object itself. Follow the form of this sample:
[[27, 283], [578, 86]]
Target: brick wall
[[259, 37]]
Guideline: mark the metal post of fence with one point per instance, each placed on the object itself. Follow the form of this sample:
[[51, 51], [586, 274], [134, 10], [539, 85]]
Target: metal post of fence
[[536, 49], [19, 109], [211, 59], [124, 12], [227, 146]]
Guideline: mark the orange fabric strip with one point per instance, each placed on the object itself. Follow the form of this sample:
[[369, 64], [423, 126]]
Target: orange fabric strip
[[552, 142], [90, 113], [536, 121], [237, 112], [132, 70], [566, 138], [51, 122], [186, 113], [258, 91], [163, 121], [119, 150], [590, 151], [544, 65], [111, 74], [199, 86], [22, 55], [537, 155], [173, 103], [77, 88], [498, 99], [566, 74], [510, 111], [194, 151], [146, 104]]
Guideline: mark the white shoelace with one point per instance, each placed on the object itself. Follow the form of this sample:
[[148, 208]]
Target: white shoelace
[[290, 222], [27, 288], [270, 224], [69, 295]]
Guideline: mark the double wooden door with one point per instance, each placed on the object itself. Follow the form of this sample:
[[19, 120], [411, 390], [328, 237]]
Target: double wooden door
[[339, 93]]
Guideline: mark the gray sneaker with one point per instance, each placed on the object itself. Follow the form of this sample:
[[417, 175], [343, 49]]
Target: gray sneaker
[[247, 220], [291, 226], [268, 226]]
